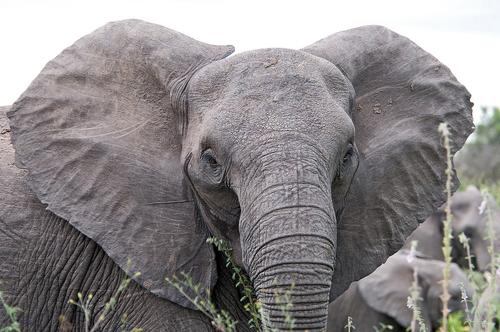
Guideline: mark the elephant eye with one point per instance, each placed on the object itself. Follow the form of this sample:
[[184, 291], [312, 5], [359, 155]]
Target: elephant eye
[[208, 157], [346, 160], [348, 154], [212, 169]]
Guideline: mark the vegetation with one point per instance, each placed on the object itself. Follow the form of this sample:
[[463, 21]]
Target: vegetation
[[221, 319], [83, 303], [12, 314], [488, 130], [242, 282], [447, 233], [478, 162]]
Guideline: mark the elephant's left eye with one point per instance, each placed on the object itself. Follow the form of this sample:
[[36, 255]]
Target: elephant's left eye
[[346, 162], [348, 154]]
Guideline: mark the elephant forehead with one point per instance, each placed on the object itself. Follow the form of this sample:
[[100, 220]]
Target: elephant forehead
[[271, 73], [273, 89]]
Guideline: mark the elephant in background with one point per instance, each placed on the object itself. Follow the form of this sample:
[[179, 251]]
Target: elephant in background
[[137, 143], [470, 212], [381, 297]]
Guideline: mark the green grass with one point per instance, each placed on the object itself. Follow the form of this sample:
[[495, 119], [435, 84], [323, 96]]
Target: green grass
[[12, 313]]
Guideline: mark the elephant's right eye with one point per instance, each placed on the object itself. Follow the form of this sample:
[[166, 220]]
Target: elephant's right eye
[[208, 157], [211, 168]]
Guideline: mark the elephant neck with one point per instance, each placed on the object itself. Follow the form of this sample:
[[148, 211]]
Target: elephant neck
[[227, 296]]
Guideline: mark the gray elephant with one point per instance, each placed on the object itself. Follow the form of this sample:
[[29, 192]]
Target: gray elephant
[[470, 212], [137, 143], [382, 297]]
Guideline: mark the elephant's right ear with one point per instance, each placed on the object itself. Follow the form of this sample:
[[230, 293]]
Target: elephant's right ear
[[100, 132]]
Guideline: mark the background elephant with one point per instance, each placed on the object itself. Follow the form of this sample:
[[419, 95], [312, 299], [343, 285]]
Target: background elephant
[[382, 296], [138, 142], [470, 213]]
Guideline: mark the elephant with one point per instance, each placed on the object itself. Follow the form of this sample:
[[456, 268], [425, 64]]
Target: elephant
[[137, 143], [381, 298], [470, 212]]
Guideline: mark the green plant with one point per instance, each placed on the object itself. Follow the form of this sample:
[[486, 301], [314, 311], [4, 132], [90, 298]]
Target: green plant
[[12, 314], [478, 161], [242, 282], [414, 298], [447, 231], [456, 322], [350, 326], [490, 237], [465, 301], [284, 302], [465, 241], [84, 304], [383, 327], [488, 130], [221, 319], [414, 304]]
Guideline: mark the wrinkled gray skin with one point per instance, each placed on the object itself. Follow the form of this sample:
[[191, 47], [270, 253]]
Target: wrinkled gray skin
[[44, 262], [382, 296], [138, 143], [469, 218]]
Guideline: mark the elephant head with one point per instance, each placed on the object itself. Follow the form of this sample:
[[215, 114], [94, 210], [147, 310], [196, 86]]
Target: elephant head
[[470, 213], [386, 291], [314, 164]]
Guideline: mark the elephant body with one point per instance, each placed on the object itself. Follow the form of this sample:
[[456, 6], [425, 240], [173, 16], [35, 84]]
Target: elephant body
[[381, 298], [471, 212], [137, 143], [364, 318]]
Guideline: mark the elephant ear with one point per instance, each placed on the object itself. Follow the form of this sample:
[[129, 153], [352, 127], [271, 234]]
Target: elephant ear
[[100, 132], [387, 289], [402, 95]]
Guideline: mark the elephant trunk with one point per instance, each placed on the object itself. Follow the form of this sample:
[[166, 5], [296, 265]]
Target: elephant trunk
[[289, 252]]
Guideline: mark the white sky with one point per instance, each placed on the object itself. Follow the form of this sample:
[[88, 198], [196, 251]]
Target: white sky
[[465, 35]]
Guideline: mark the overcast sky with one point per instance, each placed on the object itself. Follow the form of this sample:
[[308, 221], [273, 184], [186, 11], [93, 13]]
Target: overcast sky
[[465, 35]]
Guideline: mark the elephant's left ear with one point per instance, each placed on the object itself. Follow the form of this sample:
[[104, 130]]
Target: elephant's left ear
[[402, 95], [100, 132]]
